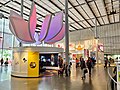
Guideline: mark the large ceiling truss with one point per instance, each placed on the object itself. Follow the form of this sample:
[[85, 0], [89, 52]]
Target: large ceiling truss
[[82, 13]]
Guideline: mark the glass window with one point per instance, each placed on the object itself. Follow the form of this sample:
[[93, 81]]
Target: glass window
[[16, 42], [7, 41], [7, 54], [1, 24], [7, 30]]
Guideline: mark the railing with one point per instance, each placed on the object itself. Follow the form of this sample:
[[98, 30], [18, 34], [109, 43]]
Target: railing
[[111, 81]]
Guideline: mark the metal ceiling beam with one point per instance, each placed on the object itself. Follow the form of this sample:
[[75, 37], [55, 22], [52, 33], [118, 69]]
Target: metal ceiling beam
[[73, 13], [55, 5], [48, 5], [27, 8], [4, 11], [76, 21], [14, 9], [17, 10], [113, 1], [50, 11], [5, 3], [68, 15], [98, 26], [93, 18], [73, 27], [42, 7], [84, 11], [38, 25], [99, 11], [37, 12], [80, 13], [78, 18], [106, 11], [81, 4], [9, 14], [113, 10], [92, 12], [26, 14]]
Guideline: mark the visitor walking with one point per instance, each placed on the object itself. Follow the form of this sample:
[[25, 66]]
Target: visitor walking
[[83, 68], [2, 61], [89, 65]]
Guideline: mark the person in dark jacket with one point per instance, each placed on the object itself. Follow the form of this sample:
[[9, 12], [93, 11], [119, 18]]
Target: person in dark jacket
[[89, 65], [83, 67], [115, 78], [77, 63], [61, 70], [60, 62], [66, 70], [6, 62], [106, 61], [2, 61]]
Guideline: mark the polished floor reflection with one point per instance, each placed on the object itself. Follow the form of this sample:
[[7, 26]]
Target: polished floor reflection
[[52, 81]]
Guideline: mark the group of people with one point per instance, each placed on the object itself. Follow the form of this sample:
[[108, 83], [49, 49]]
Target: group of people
[[64, 67], [2, 62], [78, 61], [107, 61], [84, 65]]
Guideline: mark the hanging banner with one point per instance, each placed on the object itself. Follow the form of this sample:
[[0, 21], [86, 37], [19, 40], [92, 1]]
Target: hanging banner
[[86, 53], [100, 48]]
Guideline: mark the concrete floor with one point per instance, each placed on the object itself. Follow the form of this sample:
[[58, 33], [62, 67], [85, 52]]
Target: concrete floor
[[52, 81]]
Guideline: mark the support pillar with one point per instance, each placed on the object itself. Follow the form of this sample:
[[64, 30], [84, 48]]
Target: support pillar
[[21, 8], [96, 37], [20, 43], [66, 33], [3, 35]]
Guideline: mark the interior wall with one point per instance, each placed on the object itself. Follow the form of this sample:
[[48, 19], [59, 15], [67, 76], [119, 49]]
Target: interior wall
[[109, 35]]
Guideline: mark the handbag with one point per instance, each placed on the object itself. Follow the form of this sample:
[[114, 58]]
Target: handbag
[[86, 71]]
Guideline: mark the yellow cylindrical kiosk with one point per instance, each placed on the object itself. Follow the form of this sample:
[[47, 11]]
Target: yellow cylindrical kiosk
[[26, 60], [33, 64]]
